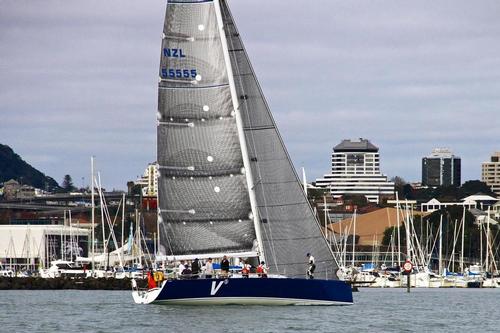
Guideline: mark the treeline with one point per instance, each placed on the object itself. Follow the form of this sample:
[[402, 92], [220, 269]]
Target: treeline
[[442, 193]]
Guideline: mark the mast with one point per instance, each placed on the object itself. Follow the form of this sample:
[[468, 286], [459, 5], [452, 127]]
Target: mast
[[408, 235], [481, 244], [488, 240], [324, 202], [63, 238], [399, 234], [241, 134], [463, 237], [123, 223], [101, 203], [157, 226], [455, 237], [93, 210], [441, 244], [138, 236], [70, 235], [354, 239], [304, 180]]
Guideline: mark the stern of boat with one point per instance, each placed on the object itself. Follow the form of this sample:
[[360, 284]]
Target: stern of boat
[[143, 296]]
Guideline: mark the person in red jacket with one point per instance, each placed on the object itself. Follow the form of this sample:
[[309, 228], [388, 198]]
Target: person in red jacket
[[151, 280], [245, 270], [262, 270]]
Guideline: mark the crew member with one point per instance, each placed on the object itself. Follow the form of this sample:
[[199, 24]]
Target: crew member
[[181, 267], [195, 268], [209, 269], [224, 267], [262, 270], [245, 269], [187, 273], [312, 266], [151, 280]]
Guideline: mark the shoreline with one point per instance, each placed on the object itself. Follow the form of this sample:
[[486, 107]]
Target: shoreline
[[37, 283]]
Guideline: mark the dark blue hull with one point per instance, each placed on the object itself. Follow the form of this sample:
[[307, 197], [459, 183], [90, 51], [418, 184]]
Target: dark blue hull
[[278, 291]]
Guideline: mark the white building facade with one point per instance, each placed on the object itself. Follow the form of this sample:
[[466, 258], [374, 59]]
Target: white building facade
[[34, 246], [356, 170], [149, 180]]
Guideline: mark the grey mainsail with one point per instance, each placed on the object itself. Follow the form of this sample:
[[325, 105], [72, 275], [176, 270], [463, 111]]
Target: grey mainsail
[[203, 195], [289, 227], [208, 201]]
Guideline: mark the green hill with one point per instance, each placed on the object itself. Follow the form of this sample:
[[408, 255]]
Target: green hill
[[12, 166]]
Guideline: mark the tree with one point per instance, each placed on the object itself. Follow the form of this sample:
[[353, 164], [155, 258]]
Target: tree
[[475, 186], [317, 193], [67, 184], [399, 185], [358, 200]]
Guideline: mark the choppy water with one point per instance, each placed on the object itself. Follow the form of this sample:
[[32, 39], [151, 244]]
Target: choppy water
[[375, 310]]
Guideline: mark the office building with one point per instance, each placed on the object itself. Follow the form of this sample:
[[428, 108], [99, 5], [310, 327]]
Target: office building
[[441, 168], [356, 170], [490, 173]]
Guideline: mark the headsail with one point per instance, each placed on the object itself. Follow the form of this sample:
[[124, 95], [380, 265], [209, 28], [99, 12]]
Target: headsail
[[289, 227], [205, 195], [204, 204]]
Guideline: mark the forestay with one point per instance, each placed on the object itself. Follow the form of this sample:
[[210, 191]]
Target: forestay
[[289, 227]]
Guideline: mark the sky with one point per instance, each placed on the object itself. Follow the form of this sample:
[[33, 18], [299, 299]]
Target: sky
[[79, 78]]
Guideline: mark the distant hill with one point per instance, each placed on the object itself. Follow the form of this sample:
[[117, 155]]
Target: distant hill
[[12, 166]]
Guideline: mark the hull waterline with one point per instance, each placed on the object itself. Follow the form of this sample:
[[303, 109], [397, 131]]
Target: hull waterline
[[253, 291]]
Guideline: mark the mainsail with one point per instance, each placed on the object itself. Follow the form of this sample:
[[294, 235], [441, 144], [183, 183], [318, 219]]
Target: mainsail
[[209, 170], [204, 204]]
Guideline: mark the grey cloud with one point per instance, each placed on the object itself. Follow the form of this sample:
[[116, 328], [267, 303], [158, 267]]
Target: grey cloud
[[79, 78]]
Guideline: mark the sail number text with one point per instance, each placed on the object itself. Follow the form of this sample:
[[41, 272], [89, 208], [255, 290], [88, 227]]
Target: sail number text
[[178, 73], [173, 53]]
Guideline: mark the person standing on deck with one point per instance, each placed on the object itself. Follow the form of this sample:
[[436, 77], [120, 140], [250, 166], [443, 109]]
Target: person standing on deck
[[181, 267], [224, 266], [245, 269], [151, 280], [209, 269], [262, 270], [312, 266], [195, 268]]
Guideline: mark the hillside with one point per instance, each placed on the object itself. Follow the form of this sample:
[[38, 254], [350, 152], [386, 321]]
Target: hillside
[[12, 166]]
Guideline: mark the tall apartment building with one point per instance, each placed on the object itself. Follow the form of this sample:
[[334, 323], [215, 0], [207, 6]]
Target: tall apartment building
[[149, 180], [356, 170], [441, 168], [490, 173]]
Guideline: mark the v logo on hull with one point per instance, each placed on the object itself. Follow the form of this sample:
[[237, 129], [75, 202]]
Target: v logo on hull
[[215, 287]]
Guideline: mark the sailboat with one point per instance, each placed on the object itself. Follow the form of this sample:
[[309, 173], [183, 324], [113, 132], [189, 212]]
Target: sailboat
[[226, 184]]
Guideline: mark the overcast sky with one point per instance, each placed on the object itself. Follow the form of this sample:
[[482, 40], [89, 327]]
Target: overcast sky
[[79, 78]]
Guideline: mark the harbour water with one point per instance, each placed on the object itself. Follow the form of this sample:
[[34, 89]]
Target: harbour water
[[375, 310]]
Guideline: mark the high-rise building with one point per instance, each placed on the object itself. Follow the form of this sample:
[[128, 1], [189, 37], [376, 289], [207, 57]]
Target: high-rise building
[[490, 173], [441, 168], [149, 180], [356, 170]]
